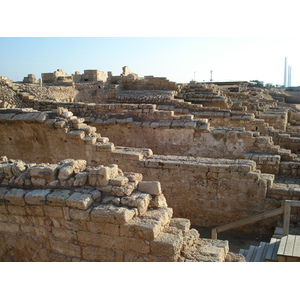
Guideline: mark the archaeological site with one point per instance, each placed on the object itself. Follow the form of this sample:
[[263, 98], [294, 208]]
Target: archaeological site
[[96, 167]]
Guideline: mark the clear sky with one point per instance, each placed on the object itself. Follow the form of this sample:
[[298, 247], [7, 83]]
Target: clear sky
[[165, 38], [178, 59]]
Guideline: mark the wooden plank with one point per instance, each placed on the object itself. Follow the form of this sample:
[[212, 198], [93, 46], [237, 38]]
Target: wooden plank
[[250, 253], [249, 220], [289, 246], [270, 249], [295, 203], [282, 245], [286, 217], [296, 252], [259, 252], [263, 255], [274, 255]]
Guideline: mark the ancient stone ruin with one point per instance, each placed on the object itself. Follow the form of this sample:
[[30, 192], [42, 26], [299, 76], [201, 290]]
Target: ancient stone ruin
[[122, 168]]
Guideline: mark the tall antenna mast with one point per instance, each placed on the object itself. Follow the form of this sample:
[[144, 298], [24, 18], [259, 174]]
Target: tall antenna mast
[[211, 76], [285, 69]]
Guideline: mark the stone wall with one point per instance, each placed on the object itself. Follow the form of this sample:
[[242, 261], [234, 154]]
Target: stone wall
[[71, 212], [210, 192]]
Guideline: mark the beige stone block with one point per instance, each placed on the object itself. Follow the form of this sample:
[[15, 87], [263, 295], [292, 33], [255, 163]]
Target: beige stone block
[[64, 234], [3, 208], [132, 244], [150, 187], [119, 181], [181, 224], [47, 172], [77, 214], [17, 210], [91, 253], [58, 197], [122, 191], [166, 245], [54, 212], [36, 196], [133, 176], [163, 215], [65, 248], [159, 201], [104, 228], [35, 210], [101, 175], [112, 214], [139, 200], [9, 227], [39, 231], [79, 201], [15, 196], [143, 229], [96, 239]]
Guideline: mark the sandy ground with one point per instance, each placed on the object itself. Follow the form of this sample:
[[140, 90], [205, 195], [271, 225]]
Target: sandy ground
[[237, 240]]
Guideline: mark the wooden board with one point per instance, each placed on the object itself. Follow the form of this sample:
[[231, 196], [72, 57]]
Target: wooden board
[[289, 246], [250, 253], [296, 252], [259, 252], [282, 245]]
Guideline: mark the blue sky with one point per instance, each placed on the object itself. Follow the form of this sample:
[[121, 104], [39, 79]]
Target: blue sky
[[178, 59]]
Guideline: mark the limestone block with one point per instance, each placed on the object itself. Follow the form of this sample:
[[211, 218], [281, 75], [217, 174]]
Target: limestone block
[[54, 212], [101, 175], [181, 224], [124, 190], [151, 187], [9, 227], [64, 234], [79, 200], [104, 228], [142, 228], [76, 134], [166, 245], [139, 200], [16, 210], [77, 214], [47, 172], [111, 200], [96, 239], [163, 215], [38, 181], [91, 253], [65, 248], [35, 210], [119, 181], [111, 214], [58, 197], [37, 196], [65, 173], [132, 244], [133, 176], [18, 167], [39, 231], [158, 201], [3, 191], [15, 196]]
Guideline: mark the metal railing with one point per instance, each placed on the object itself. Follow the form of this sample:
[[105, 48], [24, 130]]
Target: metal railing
[[286, 209]]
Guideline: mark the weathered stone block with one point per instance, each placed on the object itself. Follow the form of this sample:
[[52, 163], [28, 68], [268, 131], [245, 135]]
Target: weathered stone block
[[64, 234], [104, 228], [79, 201], [9, 227], [96, 239], [159, 201], [65, 248], [37, 196], [181, 224], [91, 253], [15, 196], [35, 210], [119, 181], [58, 197], [151, 187], [139, 200], [17, 210], [132, 244], [112, 214], [166, 245], [54, 212], [124, 190], [77, 214]]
